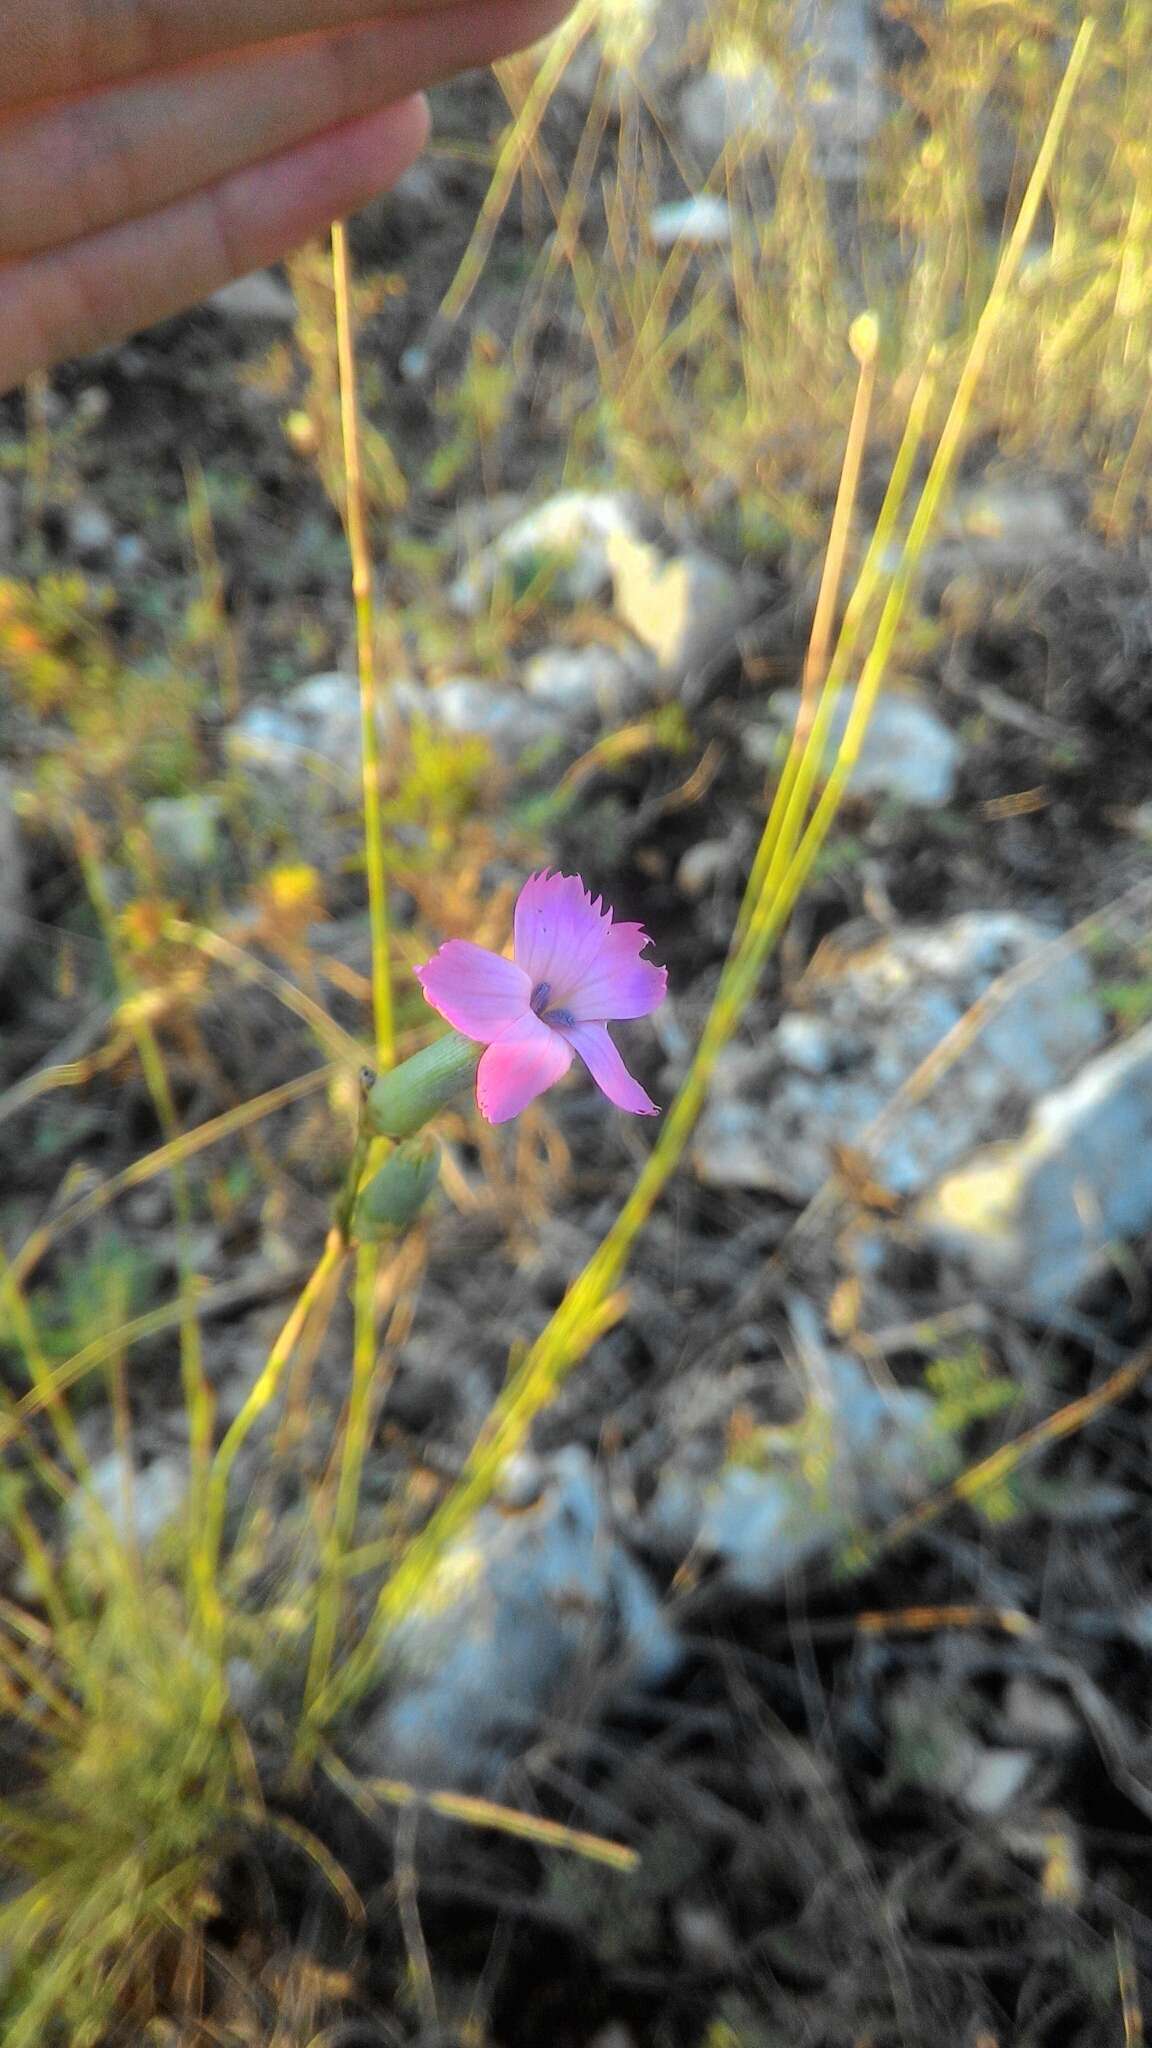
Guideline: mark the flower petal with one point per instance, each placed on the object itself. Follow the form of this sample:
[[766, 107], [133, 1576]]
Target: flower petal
[[618, 983], [607, 1069], [517, 1067], [559, 931], [479, 992]]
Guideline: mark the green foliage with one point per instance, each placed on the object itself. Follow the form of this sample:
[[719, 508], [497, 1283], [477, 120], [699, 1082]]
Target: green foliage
[[476, 409], [94, 1295], [57, 651], [127, 1809], [441, 782], [1129, 1001], [966, 1389]]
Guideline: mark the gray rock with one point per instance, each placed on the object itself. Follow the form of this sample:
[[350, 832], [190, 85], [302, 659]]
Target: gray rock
[[836, 95], [506, 719], [261, 299], [908, 753], [309, 740], [638, 45], [710, 862], [185, 833], [588, 682], [1038, 1217], [91, 533], [683, 608], [774, 1118], [702, 222], [735, 103], [528, 1606], [156, 1496], [857, 1455], [13, 900], [560, 545], [842, 100], [311, 736]]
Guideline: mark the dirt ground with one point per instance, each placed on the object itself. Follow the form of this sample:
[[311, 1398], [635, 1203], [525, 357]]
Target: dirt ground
[[810, 1873]]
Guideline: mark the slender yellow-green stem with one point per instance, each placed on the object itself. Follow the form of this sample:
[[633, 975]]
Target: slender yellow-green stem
[[865, 342], [343, 1523], [588, 1308], [365, 652], [39, 1371], [316, 1294], [477, 1813], [803, 765], [356, 1424]]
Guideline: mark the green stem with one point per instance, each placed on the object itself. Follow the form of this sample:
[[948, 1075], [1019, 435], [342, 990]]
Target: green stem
[[360, 552]]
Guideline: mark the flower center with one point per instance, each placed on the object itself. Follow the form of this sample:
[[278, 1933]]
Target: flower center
[[539, 1006]]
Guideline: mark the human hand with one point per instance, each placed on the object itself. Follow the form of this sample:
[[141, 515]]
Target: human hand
[[150, 150]]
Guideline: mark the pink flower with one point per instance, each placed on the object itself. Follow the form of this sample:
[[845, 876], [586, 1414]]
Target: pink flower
[[575, 968]]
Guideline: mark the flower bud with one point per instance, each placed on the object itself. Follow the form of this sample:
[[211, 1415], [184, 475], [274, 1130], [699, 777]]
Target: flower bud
[[395, 1196], [402, 1101]]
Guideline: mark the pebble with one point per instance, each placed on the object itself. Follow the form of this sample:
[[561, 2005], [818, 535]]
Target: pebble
[[684, 608], [157, 1494], [561, 544], [908, 753], [878, 1450], [701, 222], [777, 1113], [91, 533], [1036, 1218], [186, 833], [588, 682], [261, 299], [526, 1606]]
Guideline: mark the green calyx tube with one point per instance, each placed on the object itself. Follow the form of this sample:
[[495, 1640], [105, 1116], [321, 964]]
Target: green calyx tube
[[403, 1101], [394, 1197]]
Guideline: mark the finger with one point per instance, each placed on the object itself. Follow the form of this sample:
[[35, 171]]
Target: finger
[[75, 168], [96, 291], [51, 47]]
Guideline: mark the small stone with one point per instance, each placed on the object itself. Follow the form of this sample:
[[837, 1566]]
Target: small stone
[[559, 548], [261, 299], [683, 608], [1040, 1715], [310, 738], [525, 1606], [129, 552], [587, 682], [706, 864], [705, 1936], [504, 718], [908, 754], [737, 102], [878, 1450], [138, 1509], [838, 98], [773, 1122], [996, 1781], [641, 45], [186, 833], [1038, 1217], [701, 222], [806, 1043], [1014, 511], [91, 533]]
